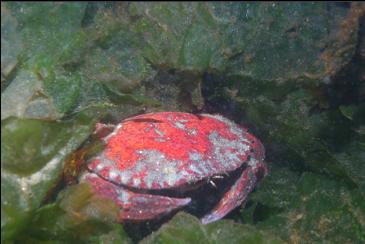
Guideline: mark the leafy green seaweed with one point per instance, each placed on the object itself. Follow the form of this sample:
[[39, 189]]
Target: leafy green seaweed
[[282, 69], [32, 154], [184, 228]]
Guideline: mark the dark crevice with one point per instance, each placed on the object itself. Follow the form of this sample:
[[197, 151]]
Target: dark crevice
[[90, 12], [347, 86]]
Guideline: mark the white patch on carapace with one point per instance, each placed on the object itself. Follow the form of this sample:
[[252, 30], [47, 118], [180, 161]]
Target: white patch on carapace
[[252, 162], [103, 162], [123, 196], [115, 132], [233, 127], [148, 179], [195, 169], [158, 132], [200, 166], [193, 132], [100, 166], [226, 151], [171, 117], [208, 167], [195, 156], [180, 125], [86, 175], [125, 176], [136, 182], [232, 156], [171, 179], [113, 174], [159, 170], [147, 129]]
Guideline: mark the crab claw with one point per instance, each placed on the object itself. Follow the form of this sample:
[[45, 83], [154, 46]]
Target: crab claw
[[134, 206], [234, 197]]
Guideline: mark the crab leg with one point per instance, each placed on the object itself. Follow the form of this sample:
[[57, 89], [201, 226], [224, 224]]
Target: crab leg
[[234, 197], [134, 206]]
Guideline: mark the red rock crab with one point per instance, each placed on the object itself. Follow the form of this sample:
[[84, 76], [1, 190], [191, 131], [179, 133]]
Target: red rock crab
[[170, 150]]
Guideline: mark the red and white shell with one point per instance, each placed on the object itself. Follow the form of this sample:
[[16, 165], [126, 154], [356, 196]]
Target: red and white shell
[[169, 149]]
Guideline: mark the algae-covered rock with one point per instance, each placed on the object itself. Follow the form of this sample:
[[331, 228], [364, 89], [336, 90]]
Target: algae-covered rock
[[61, 62], [270, 41], [50, 32], [307, 208], [281, 69], [25, 98], [76, 216], [32, 154], [185, 228], [11, 44]]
